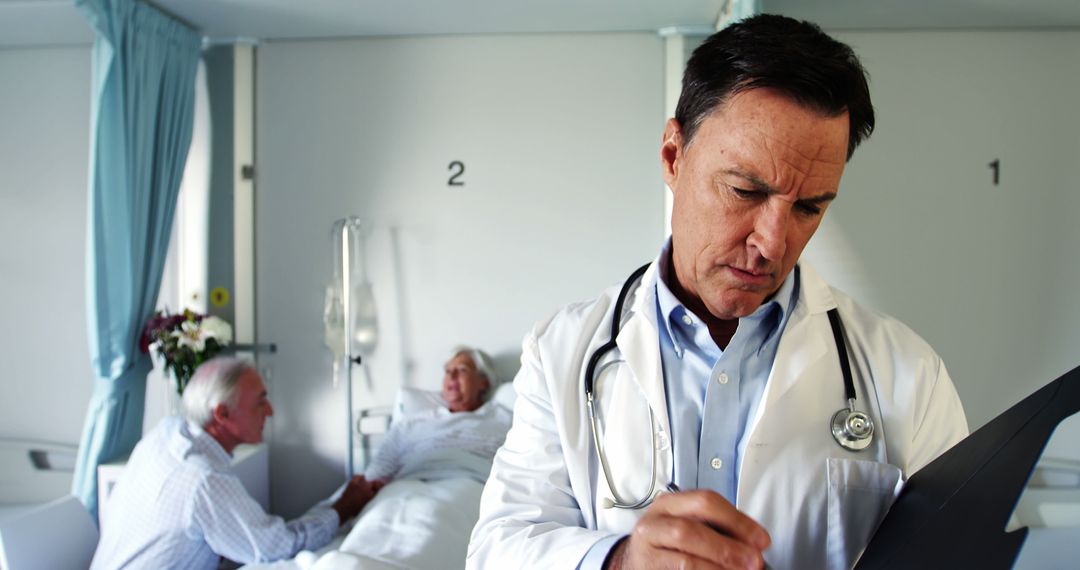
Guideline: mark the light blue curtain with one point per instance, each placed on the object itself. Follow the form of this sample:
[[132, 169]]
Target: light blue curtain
[[143, 97]]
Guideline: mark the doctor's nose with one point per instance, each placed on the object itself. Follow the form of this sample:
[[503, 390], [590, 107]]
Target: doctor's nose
[[769, 236]]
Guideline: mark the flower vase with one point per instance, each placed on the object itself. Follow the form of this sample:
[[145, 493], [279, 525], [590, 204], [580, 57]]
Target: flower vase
[[173, 397]]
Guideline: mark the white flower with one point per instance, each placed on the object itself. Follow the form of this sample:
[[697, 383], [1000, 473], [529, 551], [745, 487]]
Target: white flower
[[190, 335], [217, 329]]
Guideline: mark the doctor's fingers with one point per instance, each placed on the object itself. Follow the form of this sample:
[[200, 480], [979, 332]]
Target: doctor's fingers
[[662, 541], [712, 509]]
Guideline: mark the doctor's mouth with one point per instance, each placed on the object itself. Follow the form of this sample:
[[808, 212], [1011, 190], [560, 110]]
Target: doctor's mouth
[[751, 277]]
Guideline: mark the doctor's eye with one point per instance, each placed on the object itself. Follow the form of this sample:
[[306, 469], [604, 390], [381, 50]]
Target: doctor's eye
[[743, 193], [808, 209]]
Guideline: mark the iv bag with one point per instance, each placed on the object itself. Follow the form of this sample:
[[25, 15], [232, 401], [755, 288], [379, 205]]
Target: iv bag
[[365, 324], [334, 321]]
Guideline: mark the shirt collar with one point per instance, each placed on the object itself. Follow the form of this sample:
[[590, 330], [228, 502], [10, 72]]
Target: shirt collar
[[672, 309], [197, 440]]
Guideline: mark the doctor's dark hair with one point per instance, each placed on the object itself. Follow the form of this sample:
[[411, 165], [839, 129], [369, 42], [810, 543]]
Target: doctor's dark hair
[[213, 383], [794, 57]]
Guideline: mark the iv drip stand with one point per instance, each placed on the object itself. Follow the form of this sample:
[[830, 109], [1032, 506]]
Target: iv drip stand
[[346, 297], [360, 330]]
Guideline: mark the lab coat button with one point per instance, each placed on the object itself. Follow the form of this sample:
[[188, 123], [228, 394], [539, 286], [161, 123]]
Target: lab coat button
[[661, 441], [722, 378], [716, 463]]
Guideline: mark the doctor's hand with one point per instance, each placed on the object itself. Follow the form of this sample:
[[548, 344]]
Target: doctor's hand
[[692, 529], [356, 494]]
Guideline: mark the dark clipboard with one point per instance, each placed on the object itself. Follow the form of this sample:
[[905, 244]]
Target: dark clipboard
[[953, 512]]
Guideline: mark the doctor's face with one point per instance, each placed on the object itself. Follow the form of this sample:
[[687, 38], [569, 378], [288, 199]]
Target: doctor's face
[[463, 385], [749, 192]]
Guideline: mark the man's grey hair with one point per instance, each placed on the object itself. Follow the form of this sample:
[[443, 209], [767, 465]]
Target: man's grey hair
[[481, 360], [213, 383]]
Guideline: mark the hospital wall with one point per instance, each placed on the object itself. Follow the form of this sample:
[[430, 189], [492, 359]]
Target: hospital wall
[[45, 377]]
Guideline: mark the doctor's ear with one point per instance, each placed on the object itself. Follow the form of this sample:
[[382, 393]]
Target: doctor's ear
[[671, 150]]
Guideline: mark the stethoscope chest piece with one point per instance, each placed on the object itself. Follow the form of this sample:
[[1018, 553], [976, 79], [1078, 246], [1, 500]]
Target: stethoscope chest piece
[[852, 429]]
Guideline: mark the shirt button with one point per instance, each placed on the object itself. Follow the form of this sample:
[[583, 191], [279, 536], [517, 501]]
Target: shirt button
[[716, 463], [722, 378], [687, 319]]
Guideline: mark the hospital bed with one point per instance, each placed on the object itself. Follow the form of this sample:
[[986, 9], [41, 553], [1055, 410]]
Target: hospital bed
[[36, 507], [413, 523], [32, 473]]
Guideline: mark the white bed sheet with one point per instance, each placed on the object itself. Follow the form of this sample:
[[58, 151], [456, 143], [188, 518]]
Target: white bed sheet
[[421, 520], [409, 525]]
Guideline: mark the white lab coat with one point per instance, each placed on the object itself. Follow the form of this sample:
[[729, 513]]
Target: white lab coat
[[541, 507]]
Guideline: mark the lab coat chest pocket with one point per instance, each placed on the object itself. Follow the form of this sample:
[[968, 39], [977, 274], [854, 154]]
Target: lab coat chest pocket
[[860, 494]]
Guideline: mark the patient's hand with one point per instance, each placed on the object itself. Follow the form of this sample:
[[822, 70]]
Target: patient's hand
[[356, 494]]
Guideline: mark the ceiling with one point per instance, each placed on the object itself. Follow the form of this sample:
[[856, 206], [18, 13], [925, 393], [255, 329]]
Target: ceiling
[[58, 22]]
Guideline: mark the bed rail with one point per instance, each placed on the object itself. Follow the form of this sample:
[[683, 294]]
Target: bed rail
[[34, 471]]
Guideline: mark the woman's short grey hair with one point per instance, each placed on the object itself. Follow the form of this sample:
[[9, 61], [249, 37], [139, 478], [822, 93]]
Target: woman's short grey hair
[[213, 383], [481, 360]]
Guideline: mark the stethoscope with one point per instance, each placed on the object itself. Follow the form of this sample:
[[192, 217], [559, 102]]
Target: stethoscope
[[853, 430]]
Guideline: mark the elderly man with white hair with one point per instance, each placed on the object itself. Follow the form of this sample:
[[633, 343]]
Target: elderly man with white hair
[[178, 503]]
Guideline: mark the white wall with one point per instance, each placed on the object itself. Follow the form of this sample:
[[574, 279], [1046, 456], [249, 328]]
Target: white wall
[[987, 274], [562, 197], [45, 380]]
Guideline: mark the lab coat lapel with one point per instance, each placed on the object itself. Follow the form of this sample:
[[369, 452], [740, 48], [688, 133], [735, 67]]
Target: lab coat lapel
[[801, 344], [624, 392], [638, 341]]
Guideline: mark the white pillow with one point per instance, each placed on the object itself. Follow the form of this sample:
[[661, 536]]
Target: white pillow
[[505, 395], [414, 400]]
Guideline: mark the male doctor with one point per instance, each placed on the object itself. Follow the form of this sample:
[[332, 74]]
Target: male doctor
[[714, 407]]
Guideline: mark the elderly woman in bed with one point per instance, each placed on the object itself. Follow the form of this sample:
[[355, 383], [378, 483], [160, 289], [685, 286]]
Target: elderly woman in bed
[[457, 437]]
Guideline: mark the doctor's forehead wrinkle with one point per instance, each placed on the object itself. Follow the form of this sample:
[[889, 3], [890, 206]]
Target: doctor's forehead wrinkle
[[760, 185]]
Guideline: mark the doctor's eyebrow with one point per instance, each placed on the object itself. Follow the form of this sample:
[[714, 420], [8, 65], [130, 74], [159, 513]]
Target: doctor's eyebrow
[[760, 185]]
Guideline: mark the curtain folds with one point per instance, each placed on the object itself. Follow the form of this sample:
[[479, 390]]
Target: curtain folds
[[144, 65]]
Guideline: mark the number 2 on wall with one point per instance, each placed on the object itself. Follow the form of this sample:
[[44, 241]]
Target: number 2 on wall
[[457, 168]]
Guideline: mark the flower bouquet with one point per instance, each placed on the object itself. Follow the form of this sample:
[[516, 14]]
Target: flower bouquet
[[184, 341]]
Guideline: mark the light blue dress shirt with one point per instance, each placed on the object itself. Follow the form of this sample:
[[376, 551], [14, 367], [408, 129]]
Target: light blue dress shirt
[[712, 393]]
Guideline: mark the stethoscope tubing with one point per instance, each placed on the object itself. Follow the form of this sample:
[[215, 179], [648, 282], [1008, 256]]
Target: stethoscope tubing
[[841, 348], [616, 321]]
